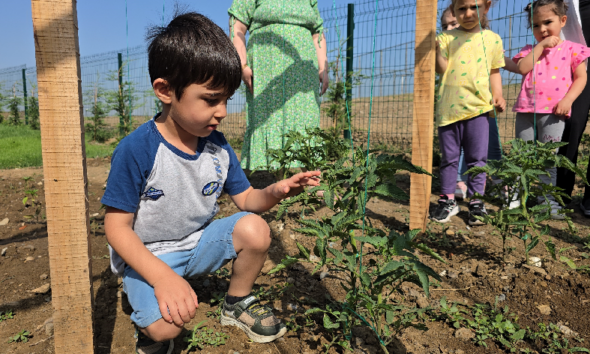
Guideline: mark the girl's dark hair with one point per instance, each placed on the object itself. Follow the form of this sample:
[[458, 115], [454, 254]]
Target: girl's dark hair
[[559, 8], [442, 15], [192, 49], [483, 19]]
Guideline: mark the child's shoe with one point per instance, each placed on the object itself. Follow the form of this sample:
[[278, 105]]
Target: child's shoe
[[145, 345], [461, 191], [257, 320], [555, 210], [445, 209], [476, 208]]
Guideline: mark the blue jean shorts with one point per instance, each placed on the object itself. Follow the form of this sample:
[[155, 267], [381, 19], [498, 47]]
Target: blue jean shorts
[[214, 250]]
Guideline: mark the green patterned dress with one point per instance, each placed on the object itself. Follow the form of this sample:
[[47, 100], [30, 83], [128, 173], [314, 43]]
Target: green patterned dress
[[283, 59]]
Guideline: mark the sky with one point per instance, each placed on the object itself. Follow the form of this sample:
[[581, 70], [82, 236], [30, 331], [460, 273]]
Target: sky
[[101, 24]]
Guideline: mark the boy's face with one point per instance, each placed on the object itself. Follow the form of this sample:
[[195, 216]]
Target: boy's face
[[200, 109]]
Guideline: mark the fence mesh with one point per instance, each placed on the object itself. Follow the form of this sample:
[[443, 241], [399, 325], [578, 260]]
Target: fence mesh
[[392, 62]]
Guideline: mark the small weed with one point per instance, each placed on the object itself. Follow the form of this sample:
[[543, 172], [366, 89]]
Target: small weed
[[273, 293], [6, 315], [500, 326], [202, 336], [216, 298], [22, 336]]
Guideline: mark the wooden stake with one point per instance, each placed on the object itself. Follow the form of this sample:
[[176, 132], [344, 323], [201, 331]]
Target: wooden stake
[[423, 123], [55, 26]]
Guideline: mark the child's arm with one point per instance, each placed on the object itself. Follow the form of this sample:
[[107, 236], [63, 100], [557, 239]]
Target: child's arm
[[176, 298], [260, 200], [511, 66], [580, 77], [441, 61], [496, 84], [526, 64]]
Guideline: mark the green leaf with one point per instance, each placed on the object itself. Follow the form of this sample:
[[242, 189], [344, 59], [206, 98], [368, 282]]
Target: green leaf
[[303, 250], [391, 266], [518, 335], [392, 191], [569, 262], [328, 324], [550, 247], [463, 74], [532, 244]]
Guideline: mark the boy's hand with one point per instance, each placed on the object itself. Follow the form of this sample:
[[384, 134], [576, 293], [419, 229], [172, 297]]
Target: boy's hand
[[294, 185], [563, 107], [550, 42], [499, 104], [176, 299]]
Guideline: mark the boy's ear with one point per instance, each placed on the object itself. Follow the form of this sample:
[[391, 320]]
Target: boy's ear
[[162, 91]]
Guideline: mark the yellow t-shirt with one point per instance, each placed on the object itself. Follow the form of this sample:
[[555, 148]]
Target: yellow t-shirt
[[465, 86]]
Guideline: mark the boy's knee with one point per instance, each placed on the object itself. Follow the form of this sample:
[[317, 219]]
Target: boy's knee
[[253, 232], [161, 331]]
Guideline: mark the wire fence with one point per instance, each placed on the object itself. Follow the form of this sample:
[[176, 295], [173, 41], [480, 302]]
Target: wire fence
[[392, 35]]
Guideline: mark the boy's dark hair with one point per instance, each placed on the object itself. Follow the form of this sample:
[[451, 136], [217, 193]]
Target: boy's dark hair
[[559, 8], [192, 49]]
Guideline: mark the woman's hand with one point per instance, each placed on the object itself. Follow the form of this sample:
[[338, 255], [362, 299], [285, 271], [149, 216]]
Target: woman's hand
[[324, 81], [248, 78]]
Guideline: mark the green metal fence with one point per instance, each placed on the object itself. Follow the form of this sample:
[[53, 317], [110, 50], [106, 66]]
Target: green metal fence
[[391, 63]]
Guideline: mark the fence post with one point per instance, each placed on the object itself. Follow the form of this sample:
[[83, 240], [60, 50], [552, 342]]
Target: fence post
[[55, 27], [349, 59], [120, 72], [25, 97], [423, 122]]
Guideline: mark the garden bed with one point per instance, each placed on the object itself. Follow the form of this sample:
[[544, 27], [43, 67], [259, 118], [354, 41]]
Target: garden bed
[[474, 274]]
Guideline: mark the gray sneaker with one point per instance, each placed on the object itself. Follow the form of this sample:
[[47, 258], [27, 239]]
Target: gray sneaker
[[145, 345], [585, 207], [257, 320]]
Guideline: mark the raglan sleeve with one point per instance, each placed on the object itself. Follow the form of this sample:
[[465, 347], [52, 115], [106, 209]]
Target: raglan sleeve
[[127, 179]]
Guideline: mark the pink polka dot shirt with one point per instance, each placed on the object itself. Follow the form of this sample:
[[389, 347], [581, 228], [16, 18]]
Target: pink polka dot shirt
[[550, 80]]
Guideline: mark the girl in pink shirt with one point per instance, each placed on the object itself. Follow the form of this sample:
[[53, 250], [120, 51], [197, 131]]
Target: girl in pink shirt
[[554, 76]]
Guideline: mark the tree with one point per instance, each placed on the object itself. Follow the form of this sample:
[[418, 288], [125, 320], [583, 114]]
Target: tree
[[98, 129], [13, 103], [123, 101], [33, 110]]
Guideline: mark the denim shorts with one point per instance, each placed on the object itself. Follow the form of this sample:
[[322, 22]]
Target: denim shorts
[[213, 251]]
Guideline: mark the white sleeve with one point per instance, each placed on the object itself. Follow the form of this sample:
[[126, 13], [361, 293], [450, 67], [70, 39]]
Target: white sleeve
[[573, 27]]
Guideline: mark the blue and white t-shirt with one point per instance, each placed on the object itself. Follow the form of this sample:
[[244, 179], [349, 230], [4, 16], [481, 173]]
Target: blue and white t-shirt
[[172, 194]]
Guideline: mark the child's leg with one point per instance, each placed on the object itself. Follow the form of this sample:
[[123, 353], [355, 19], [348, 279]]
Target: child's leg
[[523, 126], [475, 144], [449, 137], [251, 238], [214, 249], [494, 147], [461, 177], [550, 128]]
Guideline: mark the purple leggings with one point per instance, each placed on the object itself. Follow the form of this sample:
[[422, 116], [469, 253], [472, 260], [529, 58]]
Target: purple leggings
[[472, 135]]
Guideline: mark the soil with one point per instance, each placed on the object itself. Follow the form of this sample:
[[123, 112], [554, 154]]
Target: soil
[[473, 257]]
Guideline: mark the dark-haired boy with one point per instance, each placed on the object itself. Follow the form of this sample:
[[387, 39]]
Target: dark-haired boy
[[162, 193]]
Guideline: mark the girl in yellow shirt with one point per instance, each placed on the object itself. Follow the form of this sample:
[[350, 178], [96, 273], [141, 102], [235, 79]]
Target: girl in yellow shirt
[[464, 58]]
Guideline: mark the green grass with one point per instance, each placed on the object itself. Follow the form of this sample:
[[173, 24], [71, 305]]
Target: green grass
[[21, 147]]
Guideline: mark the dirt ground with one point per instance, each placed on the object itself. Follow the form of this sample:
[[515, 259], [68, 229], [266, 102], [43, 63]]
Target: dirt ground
[[475, 275]]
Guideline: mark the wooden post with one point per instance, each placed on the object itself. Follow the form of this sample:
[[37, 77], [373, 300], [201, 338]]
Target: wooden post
[[55, 26], [423, 123]]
